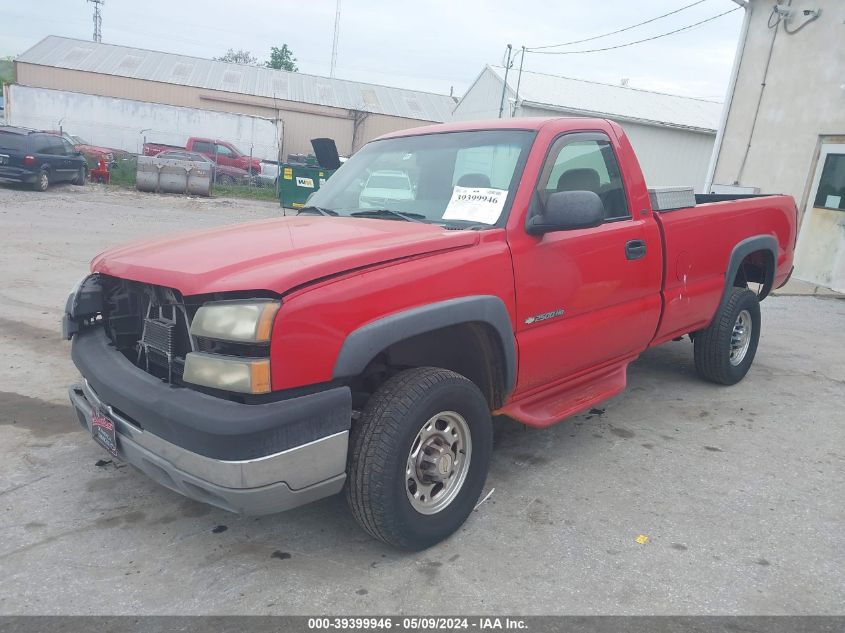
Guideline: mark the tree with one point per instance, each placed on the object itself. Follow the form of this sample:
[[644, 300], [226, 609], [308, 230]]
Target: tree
[[7, 71], [238, 57], [282, 59]]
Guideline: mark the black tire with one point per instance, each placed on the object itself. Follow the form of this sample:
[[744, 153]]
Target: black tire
[[226, 180], [713, 346], [81, 177], [380, 446], [42, 182]]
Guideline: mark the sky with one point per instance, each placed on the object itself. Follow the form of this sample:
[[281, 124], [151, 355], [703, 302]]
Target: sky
[[436, 46]]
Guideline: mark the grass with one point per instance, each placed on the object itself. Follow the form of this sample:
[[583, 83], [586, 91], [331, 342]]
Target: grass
[[123, 175], [242, 191]]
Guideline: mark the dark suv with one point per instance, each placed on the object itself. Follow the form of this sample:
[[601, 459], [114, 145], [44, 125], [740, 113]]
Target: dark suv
[[39, 159]]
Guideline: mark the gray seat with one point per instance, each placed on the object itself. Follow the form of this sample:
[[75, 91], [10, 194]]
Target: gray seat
[[476, 180], [581, 179]]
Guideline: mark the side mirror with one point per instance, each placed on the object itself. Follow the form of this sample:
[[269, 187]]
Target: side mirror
[[565, 211]]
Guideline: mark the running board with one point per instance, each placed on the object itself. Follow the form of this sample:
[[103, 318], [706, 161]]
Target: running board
[[551, 406]]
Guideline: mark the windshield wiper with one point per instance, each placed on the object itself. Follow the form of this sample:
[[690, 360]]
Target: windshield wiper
[[375, 213], [319, 210]]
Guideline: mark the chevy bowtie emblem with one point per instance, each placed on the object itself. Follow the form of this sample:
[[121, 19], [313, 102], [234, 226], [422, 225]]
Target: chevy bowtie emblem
[[544, 316]]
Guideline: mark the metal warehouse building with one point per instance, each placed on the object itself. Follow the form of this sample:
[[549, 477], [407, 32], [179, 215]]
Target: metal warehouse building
[[673, 136], [306, 106]]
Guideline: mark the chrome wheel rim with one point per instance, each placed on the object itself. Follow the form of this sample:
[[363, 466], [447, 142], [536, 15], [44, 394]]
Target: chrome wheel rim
[[741, 337], [44, 181], [438, 462]]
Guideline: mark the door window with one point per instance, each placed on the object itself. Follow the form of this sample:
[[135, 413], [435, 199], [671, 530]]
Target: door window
[[831, 191], [67, 148], [579, 164], [203, 146], [43, 144], [222, 150]]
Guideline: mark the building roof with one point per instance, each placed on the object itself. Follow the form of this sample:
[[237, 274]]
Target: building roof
[[138, 63], [605, 100]]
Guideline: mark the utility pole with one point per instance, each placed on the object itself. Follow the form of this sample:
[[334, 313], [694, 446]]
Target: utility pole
[[518, 81], [336, 35], [505, 84], [98, 20]]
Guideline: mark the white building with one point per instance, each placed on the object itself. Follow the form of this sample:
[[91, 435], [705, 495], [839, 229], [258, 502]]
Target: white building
[[784, 130], [673, 136]]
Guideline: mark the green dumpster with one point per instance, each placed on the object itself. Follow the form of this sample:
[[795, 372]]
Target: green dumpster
[[297, 182]]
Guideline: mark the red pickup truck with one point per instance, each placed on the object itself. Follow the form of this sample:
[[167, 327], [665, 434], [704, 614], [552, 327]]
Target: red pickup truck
[[221, 152], [263, 366]]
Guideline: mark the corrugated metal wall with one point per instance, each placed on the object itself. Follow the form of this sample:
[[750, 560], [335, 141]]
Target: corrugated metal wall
[[668, 156], [482, 99], [302, 121]]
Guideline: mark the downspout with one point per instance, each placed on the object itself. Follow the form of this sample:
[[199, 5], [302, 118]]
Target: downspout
[[723, 121]]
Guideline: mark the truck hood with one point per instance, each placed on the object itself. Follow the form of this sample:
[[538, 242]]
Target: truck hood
[[274, 255]]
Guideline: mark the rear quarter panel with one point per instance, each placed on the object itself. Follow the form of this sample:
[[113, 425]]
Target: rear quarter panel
[[698, 243]]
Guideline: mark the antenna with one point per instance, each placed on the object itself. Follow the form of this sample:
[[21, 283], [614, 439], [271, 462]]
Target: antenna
[[98, 20], [336, 35]]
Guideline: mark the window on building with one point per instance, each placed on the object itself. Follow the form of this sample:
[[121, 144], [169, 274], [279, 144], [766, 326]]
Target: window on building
[[129, 64], [831, 191], [182, 71], [370, 98]]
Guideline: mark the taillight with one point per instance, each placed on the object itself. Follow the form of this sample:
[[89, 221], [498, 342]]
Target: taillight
[[28, 160]]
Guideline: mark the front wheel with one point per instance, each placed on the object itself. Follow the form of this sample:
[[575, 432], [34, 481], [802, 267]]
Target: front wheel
[[418, 457], [225, 180], [81, 177], [725, 350]]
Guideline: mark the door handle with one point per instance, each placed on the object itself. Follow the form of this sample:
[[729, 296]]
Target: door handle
[[635, 249]]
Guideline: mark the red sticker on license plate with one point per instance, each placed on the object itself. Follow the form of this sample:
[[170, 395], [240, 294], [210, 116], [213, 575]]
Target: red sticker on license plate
[[104, 432]]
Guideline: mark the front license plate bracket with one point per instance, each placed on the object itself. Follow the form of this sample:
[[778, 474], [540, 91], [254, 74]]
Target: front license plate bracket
[[104, 432]]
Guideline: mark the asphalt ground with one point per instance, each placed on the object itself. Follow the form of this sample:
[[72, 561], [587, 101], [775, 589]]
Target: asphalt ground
[[676, 497]]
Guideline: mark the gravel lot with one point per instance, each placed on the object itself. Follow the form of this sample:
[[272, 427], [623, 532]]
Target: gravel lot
[[741, 491]]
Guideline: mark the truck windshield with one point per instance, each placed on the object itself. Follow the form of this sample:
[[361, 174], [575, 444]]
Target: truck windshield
[[457, 178]]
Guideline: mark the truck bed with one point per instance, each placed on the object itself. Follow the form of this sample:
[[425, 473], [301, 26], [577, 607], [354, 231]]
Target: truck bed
[[698, 242]]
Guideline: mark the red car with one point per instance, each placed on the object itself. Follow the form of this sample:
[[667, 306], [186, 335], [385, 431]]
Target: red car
[[264, 366], [91, 152], [221, 152]]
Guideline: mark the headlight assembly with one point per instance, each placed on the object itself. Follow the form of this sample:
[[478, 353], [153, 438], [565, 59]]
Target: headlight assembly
[[229, 373], [240, 321]]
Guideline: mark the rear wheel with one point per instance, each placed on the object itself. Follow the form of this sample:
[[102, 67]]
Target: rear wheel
[[418, 457], [225, 179], [42, 182], [725, 350]]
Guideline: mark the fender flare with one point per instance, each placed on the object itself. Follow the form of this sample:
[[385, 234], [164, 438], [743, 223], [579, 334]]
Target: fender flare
[[739, 253], [363, 344]]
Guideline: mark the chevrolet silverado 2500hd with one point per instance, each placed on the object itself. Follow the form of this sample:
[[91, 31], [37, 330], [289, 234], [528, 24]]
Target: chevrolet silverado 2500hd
[[364, 346]]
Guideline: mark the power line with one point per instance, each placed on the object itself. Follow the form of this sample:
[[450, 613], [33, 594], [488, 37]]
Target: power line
[[647, 39], [627, 28]]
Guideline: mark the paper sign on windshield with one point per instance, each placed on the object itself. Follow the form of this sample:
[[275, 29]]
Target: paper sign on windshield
[[476, 204]]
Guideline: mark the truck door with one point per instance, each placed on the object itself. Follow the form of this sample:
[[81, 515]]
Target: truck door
[[225, 156], [206, 148], [585, 297]]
